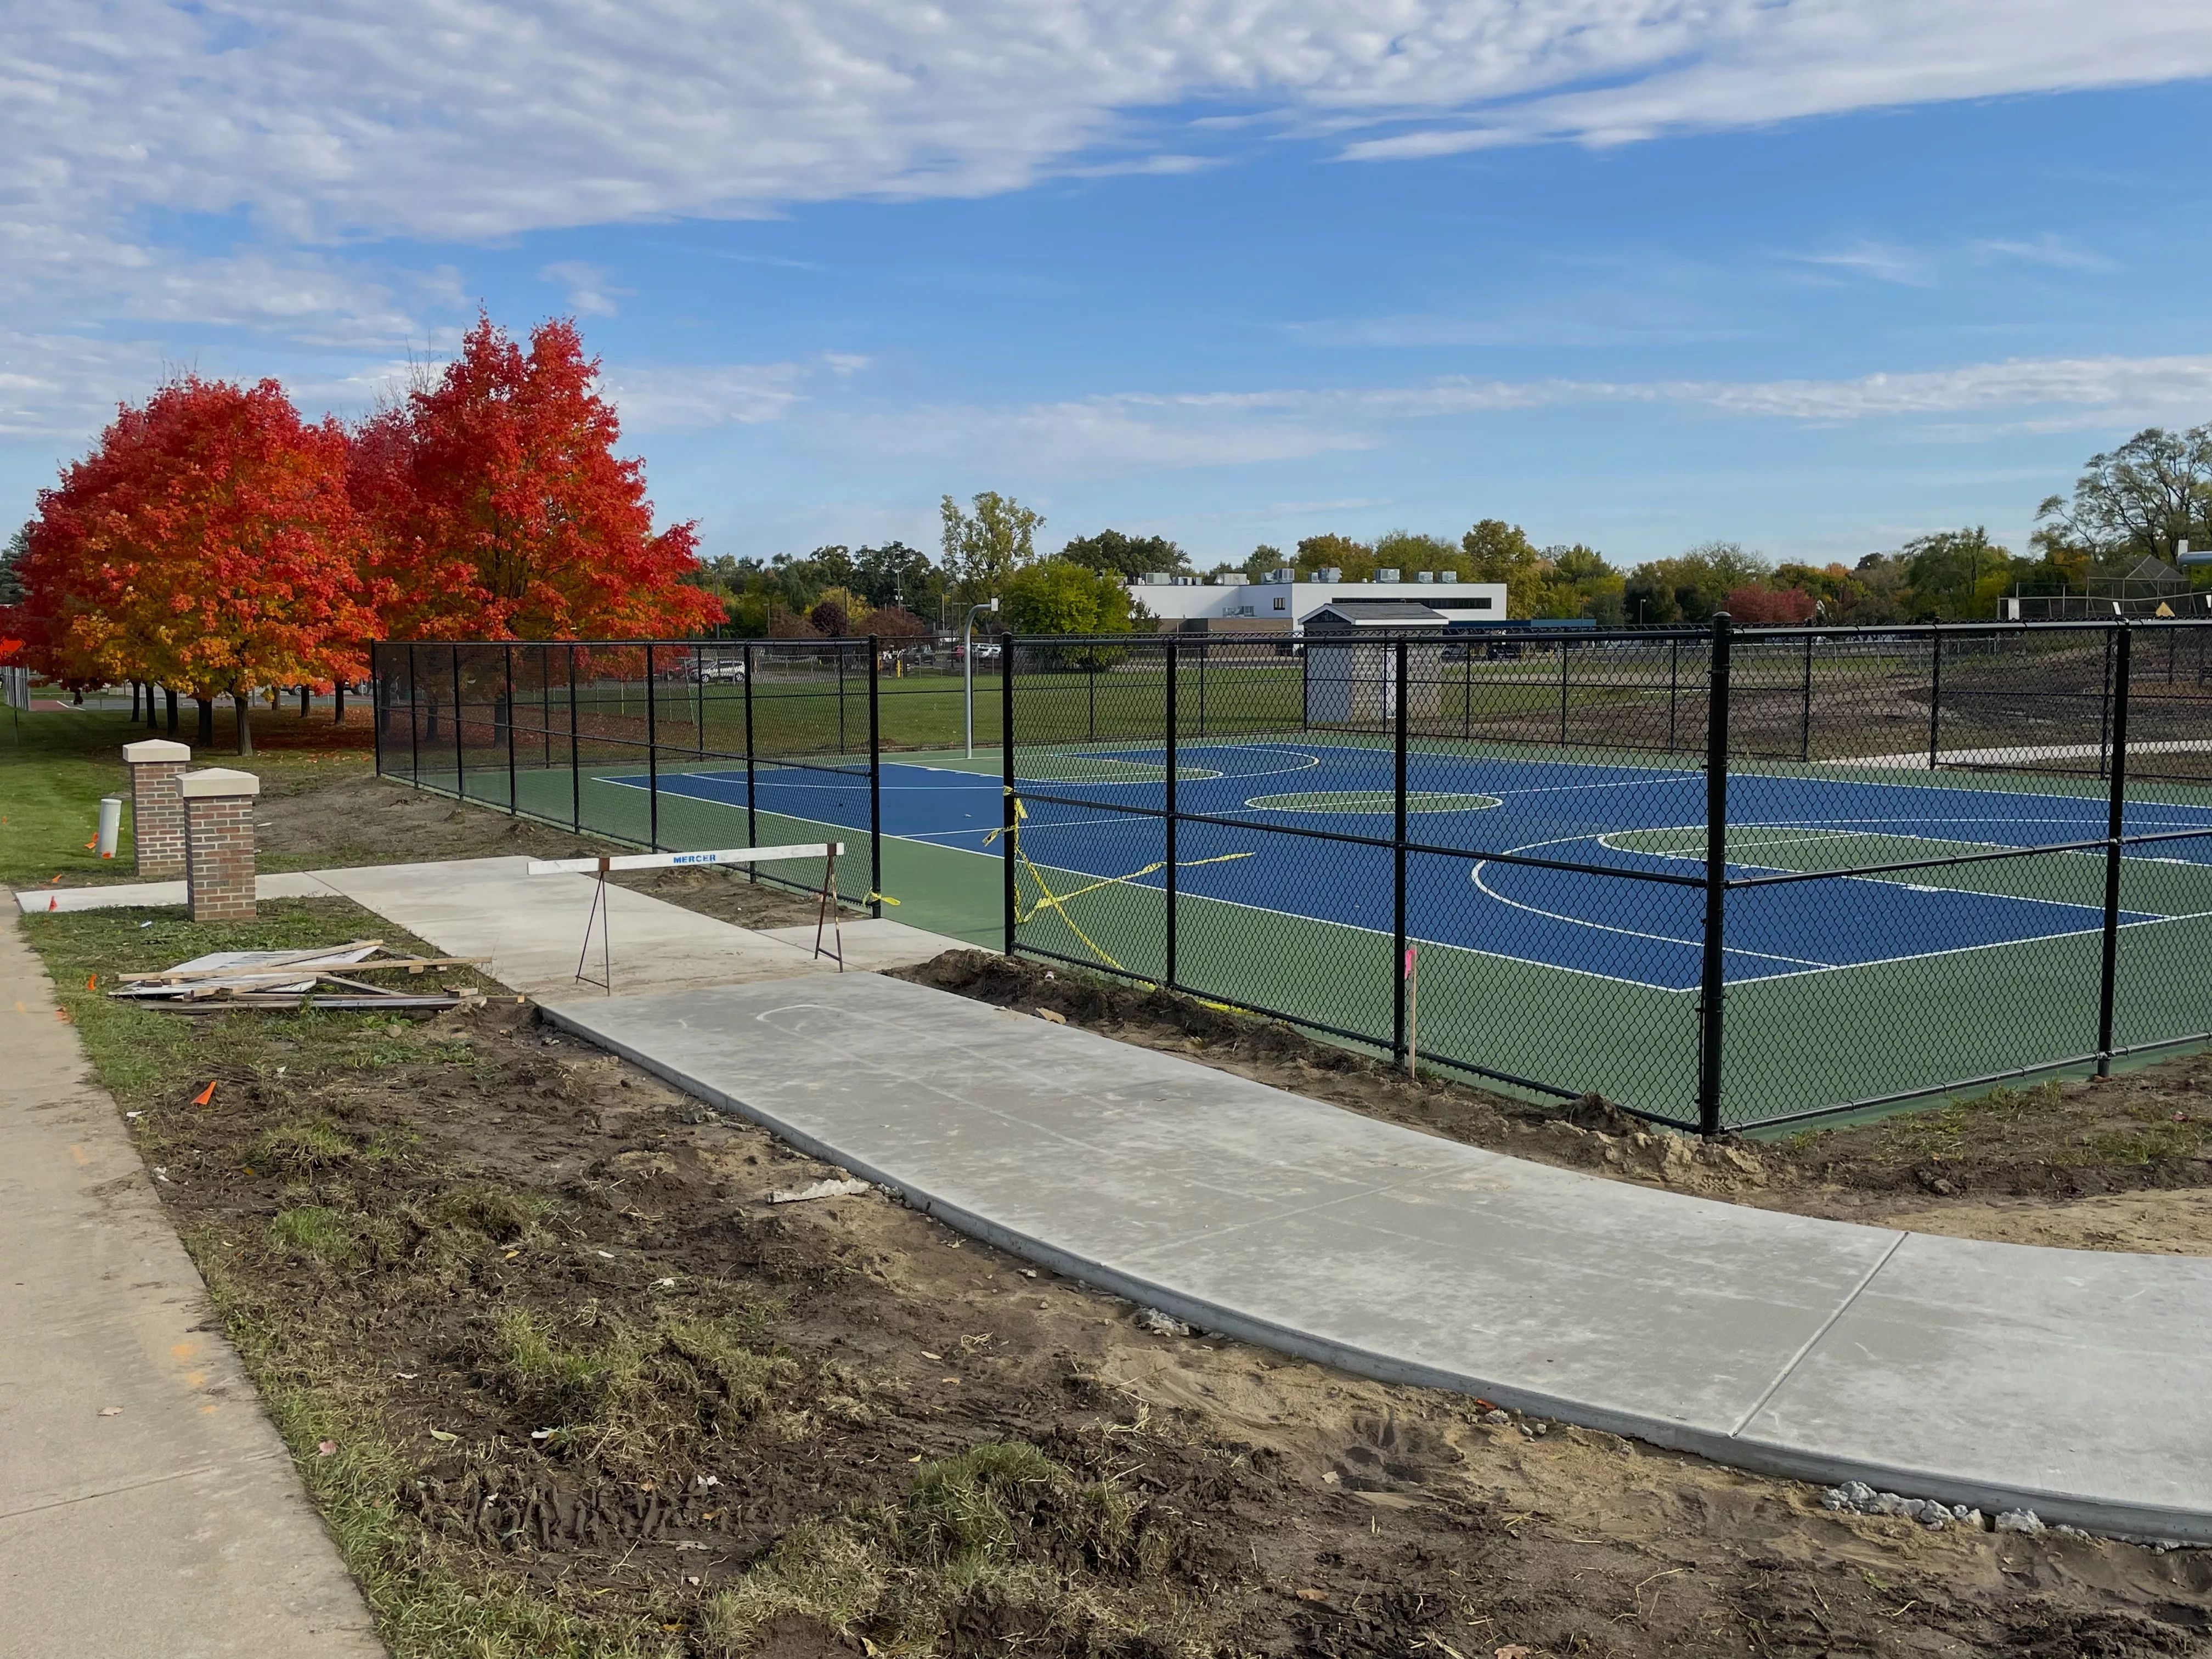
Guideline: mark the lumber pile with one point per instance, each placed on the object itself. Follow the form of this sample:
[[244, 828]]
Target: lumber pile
[[328, 977]]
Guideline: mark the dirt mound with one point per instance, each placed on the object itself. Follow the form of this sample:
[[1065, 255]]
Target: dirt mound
[[2048, 1164]]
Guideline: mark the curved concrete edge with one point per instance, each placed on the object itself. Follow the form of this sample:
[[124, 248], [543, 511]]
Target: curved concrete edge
[[2136, 1523]]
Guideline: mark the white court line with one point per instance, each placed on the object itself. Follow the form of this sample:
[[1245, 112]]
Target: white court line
[[1616, 783], [1475, 875], [1888, 880]]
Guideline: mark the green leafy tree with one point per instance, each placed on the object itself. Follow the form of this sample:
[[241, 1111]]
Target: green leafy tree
[[1494, 551], [2139, 500], [896, 574], [1406, 552], [1262, 562], [1127, 556], [1956, 574], [1574, 581], [1059, 596], [984, 547], [1356, 559], [1691, 586], [11, 582]]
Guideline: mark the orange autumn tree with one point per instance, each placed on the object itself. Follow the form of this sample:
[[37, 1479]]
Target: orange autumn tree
[[499, 510], [208, 542]]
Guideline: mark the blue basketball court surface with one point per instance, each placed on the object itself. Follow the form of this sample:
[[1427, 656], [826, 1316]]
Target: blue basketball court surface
[[1637, 819]]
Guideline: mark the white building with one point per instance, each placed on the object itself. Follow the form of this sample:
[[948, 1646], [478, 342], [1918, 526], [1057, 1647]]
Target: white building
[[1282, 603]]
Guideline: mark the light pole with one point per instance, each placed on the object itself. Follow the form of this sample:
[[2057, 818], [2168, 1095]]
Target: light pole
[[967, 666]]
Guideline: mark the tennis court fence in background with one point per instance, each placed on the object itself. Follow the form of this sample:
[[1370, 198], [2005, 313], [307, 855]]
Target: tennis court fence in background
[[671, 746], [1726, 877]]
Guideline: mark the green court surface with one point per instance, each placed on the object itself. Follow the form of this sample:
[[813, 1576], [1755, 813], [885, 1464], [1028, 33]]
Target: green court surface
[[1794, 1043], [1910, 1018], [941, 889]]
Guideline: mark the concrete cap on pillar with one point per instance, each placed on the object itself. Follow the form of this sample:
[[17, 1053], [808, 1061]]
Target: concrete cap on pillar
[[155, 749], [218, 781]]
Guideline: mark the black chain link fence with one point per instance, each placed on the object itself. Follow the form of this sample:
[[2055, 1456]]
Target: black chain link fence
[[1727, 877], [672, 746]]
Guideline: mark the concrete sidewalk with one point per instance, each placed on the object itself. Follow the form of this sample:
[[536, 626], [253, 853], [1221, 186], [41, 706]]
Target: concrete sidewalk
[[176, 1526], [532, 929], [2007, 1376], [533, 926]]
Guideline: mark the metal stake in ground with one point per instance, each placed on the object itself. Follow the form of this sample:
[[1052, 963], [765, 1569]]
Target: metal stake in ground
[[598, 913]]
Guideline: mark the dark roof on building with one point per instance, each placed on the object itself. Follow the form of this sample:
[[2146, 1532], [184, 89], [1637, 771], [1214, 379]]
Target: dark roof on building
[[1374, 613]]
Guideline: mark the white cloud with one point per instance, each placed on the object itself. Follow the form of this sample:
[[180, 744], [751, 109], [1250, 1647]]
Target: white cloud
[[58, 386], [590, 293], [1879, 260], [1101, 437], [685, 399], [424, 118], [1739, 62], [1144, 432], [280, 138], [2060, 253]]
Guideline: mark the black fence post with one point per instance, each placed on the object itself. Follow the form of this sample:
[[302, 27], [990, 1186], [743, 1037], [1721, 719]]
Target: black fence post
[[1710, 978], [460, 753], [1010, 826], [545, 701], [511, 810], [875, 786], [1172, 719], [575, 751], [1090, 728], [752, 813], [699, 690], [2115, 827], [414, 721], [1934, 690], [1398, 856], [1804, 728], [377, 683], [1202, 654], [651, 762]]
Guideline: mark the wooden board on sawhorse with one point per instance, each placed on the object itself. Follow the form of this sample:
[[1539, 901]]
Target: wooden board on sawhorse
[[826, 917]]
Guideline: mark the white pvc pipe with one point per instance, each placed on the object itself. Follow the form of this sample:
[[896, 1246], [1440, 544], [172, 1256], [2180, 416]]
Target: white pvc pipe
[[110, 823]]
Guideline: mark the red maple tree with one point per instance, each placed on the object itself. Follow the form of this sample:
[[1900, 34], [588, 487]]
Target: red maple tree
[[208, 542], [500, 509]]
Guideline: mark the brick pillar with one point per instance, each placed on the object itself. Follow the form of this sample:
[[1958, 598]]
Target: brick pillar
[[218, 807], [157, 811]]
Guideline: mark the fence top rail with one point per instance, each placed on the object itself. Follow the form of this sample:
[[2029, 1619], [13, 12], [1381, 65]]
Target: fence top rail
[[823, 643], [1796, 633]]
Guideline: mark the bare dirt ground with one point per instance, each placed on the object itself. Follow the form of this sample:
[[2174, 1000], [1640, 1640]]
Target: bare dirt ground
[[2121, 1165], [566, 1380]]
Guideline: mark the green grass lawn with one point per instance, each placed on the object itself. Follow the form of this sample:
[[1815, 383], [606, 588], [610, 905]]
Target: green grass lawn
[[56, 764], [51, 782]]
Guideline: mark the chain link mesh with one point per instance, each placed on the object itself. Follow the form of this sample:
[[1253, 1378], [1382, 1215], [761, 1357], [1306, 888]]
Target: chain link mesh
[[1725, 878]]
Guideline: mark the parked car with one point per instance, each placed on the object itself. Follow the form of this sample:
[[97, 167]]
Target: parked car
[[721, 670]]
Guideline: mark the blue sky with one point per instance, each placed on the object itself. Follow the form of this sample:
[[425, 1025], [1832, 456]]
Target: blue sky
[[1815, 278]]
